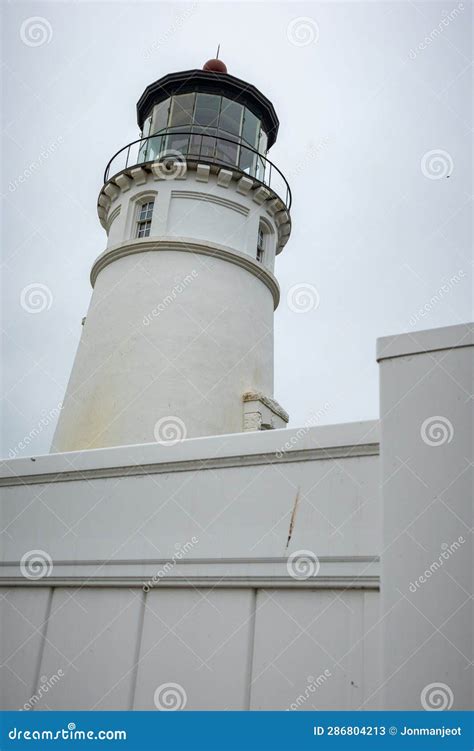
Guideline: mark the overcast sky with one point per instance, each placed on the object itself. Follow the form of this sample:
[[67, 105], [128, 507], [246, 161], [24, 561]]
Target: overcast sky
[[374, 104]]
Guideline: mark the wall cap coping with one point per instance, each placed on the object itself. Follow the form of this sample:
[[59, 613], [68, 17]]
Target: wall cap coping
[[428, 340], [307, 443]]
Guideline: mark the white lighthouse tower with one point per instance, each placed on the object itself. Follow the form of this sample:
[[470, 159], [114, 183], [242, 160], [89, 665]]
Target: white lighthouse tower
[[178, 339]]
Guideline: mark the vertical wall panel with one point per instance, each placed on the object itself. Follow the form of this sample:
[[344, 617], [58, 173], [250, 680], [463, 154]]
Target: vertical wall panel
[[426, 454], [302, 635], [23, 611], [91, 637], [371, 646], [199, 639]]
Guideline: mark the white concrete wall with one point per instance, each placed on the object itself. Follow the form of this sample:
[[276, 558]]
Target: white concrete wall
[[109, 520], [426, 463], [228, 619], [112, 647]]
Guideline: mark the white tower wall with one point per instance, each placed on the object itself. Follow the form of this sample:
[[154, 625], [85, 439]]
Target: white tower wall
[[180, 324]]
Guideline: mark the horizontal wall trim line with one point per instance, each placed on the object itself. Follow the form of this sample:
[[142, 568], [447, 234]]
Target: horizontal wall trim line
[[331, 571], [193, 465], [187, 245], [247, 582], [210, 198], [335, 559]]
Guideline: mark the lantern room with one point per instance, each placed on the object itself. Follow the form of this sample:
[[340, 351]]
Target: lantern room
[[207, 114]]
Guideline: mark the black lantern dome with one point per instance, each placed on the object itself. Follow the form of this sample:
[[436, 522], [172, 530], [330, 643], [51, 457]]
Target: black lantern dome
[[208, 113]]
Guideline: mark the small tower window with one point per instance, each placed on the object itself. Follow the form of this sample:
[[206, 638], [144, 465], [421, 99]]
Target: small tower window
[[145, 212], [260, 244]]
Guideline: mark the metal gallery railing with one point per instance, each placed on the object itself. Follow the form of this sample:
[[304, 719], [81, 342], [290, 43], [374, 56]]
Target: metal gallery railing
[[201, 146]]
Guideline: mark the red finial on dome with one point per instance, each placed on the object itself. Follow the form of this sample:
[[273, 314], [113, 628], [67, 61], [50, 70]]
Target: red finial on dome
[[215, 65]]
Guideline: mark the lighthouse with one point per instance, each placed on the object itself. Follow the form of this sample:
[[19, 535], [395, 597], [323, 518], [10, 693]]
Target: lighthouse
[[178, 339], [143, 575]]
